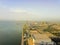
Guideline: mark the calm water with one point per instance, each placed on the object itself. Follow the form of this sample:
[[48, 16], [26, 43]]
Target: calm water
[[10, 32]]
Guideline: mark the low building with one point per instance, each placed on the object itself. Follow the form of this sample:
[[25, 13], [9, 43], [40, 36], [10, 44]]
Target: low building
[[39, 39]]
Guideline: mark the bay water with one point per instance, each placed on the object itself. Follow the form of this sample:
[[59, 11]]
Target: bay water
[[11, 32]]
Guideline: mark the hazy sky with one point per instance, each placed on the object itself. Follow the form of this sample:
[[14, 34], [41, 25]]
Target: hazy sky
[[29, 9]]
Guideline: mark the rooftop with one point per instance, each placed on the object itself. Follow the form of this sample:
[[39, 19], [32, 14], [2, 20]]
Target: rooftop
[[40, 37]]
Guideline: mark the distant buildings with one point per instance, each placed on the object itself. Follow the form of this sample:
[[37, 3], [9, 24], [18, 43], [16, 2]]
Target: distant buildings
[[39, 33]]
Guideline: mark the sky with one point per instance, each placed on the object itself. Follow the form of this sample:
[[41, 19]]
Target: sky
[[29, 9]]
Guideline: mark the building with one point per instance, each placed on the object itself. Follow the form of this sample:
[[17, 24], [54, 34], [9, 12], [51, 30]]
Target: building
[[39, 39]]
